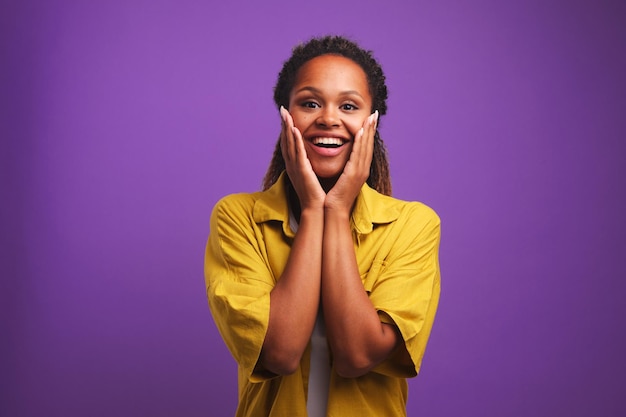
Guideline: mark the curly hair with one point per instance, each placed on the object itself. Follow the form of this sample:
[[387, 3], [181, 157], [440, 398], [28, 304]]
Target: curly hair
[[379, 177]]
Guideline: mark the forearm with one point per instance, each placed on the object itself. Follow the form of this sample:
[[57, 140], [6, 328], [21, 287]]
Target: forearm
[[357, 337], [294, 301]]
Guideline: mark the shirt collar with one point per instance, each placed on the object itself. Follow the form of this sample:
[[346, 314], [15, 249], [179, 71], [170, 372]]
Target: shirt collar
[[272, 205], [371, 208]]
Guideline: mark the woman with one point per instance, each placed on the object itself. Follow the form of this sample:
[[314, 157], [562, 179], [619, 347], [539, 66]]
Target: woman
[[323, 287]]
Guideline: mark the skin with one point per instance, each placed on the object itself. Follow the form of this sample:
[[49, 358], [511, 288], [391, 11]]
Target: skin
[[330, 99]]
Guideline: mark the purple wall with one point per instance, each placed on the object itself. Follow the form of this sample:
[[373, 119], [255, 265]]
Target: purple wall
[[123, 123]]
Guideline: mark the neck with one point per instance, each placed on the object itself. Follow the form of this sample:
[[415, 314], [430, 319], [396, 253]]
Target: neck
[[292, 197], [327, 183]]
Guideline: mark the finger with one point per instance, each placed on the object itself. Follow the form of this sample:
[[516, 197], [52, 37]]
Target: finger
[[357, 147], [283, 135], [300, 152], [286, 136], [369, 146], [362, 151], [295, 138], [363, 147]]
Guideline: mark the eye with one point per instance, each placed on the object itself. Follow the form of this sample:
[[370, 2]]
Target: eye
[[349, 107], [310, 105]]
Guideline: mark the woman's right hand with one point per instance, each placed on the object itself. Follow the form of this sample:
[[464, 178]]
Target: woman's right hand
[[304, 181]]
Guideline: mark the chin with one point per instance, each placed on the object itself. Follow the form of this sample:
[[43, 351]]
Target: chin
[[328, 173]]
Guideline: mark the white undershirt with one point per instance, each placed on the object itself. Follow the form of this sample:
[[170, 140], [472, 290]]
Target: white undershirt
[[319, 374]]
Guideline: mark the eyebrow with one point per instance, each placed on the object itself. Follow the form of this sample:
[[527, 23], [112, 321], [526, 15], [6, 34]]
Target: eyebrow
[[318, 91]]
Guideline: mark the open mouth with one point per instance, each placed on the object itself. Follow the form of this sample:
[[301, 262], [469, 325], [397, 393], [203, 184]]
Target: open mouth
[[327, 142]]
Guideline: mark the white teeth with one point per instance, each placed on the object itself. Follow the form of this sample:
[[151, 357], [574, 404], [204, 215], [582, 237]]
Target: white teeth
[[327, 141]]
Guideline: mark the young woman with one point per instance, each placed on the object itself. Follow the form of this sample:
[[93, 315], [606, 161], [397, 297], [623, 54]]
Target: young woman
[[324, 287]]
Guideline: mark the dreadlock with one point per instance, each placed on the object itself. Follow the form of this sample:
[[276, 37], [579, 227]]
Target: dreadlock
[[379, 178]]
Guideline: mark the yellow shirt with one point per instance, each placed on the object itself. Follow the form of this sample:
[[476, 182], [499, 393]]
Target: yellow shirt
[[396, 245]]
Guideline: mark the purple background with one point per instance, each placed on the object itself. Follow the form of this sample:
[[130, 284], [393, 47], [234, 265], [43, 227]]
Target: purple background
[[123, 122]]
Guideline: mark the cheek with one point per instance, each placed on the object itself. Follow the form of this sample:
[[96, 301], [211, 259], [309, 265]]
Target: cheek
[[355, 123], [301, 121]]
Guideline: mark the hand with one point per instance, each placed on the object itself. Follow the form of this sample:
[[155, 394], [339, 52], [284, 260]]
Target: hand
[[298, 166], [357, 169]]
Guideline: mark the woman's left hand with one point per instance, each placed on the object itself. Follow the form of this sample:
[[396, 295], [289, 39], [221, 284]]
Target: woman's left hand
[[357, 169]]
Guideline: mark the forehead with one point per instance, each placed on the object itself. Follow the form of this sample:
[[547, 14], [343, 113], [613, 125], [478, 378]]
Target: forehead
[[332, 72]]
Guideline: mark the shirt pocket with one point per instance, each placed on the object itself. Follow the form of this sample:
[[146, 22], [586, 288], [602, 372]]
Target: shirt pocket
[[371, 276]]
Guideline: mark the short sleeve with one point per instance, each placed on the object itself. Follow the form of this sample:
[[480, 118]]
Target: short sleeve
[[404, 287], [238, 282]]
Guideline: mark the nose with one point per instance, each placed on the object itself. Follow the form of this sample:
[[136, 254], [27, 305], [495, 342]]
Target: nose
[[328, 117]]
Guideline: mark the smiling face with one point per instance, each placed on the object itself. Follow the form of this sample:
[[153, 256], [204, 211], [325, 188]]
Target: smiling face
[[329, 103]]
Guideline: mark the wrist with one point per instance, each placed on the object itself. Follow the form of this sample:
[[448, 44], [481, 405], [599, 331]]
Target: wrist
[[340, 212], [312, 212]]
